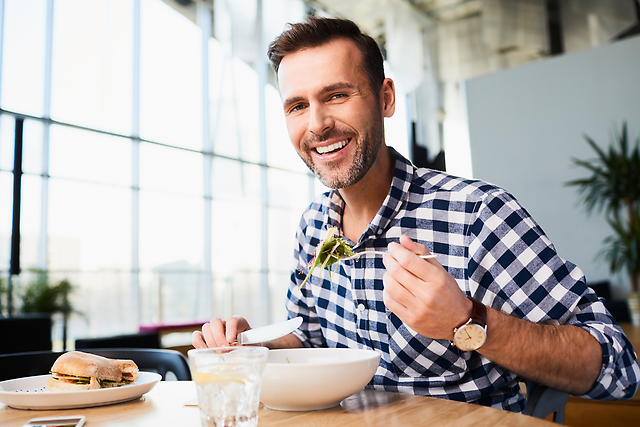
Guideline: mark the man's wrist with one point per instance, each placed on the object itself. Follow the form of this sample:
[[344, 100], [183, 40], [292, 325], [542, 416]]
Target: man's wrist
[[468, 308]]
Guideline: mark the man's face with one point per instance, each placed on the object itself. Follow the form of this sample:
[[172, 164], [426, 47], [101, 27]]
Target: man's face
[[335, 121]]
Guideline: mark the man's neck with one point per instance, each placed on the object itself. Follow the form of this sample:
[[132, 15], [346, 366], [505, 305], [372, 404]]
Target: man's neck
[[364, 199]]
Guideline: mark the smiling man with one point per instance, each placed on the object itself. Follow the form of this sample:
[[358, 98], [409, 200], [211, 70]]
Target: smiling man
[[335, 123], [334, 115], [496, 305]]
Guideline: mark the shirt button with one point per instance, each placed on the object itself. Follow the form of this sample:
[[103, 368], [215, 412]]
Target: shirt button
[[361, 307]]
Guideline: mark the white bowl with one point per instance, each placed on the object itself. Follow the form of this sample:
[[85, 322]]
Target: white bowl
[[306, 379]]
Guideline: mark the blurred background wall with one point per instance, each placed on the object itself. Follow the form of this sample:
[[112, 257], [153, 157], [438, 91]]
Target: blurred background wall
[[527, 123]]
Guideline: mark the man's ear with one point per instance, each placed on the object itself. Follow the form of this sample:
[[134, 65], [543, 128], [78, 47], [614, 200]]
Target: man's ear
[[388, 98]]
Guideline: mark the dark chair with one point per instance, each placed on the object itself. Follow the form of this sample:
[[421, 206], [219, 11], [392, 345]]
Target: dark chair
[[141, 340], [543, 400], [17, 365], [26, 332], [619, 309]]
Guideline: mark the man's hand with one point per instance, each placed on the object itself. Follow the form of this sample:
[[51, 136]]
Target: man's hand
[[421, 292], [219, 333], [425, 297]]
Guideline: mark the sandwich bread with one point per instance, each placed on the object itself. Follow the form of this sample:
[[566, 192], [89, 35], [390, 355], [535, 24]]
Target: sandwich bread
[[77, 370]]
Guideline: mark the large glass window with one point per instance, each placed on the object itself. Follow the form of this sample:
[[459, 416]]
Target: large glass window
[[7, 137], [103, 297], [170, 84], [170, 170], [6, 195], [88, 156], [92, 64], [23, 56], [234, 105], [170, 230], [30, 224], [89, 226], [236, 256], [32, 152], [7, 132], [165, 225]]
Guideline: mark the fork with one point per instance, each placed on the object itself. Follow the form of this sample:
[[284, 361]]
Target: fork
[[359, 254]]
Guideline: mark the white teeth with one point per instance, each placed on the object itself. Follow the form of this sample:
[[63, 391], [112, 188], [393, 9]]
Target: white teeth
[[332, 147]]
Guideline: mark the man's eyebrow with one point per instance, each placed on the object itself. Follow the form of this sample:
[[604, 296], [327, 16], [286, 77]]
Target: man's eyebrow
[[338, 86], [330, 88], [287, 103]]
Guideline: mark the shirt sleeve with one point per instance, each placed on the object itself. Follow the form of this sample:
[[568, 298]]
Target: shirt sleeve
[[514, 268]]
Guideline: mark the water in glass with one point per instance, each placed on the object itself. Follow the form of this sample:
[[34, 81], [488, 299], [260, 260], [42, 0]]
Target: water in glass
[[228, 386]]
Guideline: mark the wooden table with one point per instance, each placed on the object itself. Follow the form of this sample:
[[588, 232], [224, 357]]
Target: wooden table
[[165, 406]]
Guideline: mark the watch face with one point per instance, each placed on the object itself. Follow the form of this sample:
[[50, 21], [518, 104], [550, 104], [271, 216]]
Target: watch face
[[469, 337]]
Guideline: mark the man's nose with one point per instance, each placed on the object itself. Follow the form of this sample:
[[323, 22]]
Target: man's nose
[[320, 120]]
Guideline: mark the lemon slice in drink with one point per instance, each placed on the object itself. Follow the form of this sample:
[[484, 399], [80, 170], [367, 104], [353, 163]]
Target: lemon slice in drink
[[217, 378]]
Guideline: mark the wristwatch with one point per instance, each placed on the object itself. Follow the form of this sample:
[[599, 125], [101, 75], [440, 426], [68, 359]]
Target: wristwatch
[[472, 334]]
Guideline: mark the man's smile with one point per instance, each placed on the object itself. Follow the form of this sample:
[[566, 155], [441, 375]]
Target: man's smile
[[333, 147]]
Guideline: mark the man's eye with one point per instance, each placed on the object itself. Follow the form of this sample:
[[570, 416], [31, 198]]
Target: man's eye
[[338, 96], [297, 107]]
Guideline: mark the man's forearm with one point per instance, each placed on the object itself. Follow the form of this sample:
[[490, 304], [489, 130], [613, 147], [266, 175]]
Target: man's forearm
[[564, 357]]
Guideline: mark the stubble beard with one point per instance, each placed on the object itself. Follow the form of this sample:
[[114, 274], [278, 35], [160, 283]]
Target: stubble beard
[[367, 149]]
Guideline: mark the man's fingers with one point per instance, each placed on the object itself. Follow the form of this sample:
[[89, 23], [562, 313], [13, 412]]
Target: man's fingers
[[197, 340], [398, 280], [207, 335], [234, 327], [219, 329], [405, 254], [395, 296], [416, 248], [412, 246], [219, 333], [214, 333], [405, 261]]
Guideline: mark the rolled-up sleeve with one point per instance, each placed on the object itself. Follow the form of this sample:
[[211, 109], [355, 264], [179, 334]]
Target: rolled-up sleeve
[[620, 373], [514, 268]]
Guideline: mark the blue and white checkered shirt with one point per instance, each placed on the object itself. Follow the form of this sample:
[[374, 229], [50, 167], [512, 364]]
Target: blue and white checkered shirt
[[497, 254]]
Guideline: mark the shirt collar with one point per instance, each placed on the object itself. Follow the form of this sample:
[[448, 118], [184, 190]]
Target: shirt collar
[[402, 178]]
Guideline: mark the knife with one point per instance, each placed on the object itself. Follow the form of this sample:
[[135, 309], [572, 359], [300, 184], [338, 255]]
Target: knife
[[268, 333]]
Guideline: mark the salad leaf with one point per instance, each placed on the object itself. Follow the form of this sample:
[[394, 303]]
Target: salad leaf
[[328, 252]]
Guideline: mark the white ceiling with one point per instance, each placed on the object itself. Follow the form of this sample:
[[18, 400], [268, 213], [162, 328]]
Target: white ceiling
[[370, 14]]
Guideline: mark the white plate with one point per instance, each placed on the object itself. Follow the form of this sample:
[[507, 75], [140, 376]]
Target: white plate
[[32, 393]]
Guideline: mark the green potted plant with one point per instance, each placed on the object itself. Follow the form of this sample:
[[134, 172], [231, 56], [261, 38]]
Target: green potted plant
[[3, 291], [613, 188], [4, 295], [40, 296]]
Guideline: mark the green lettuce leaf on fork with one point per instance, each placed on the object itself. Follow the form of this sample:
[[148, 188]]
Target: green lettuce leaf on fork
[[328, 252]]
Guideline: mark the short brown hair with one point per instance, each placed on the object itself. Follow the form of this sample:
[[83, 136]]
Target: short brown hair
[[318, 31]]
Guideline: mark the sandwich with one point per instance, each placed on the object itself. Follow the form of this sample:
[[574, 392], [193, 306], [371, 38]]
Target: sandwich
[[129, 370], [76, 370]]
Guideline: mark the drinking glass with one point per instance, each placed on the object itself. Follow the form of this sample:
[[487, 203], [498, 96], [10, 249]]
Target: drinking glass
[[228, 381]]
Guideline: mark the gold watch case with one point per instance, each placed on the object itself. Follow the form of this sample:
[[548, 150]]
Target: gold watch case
[[471, 335]]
